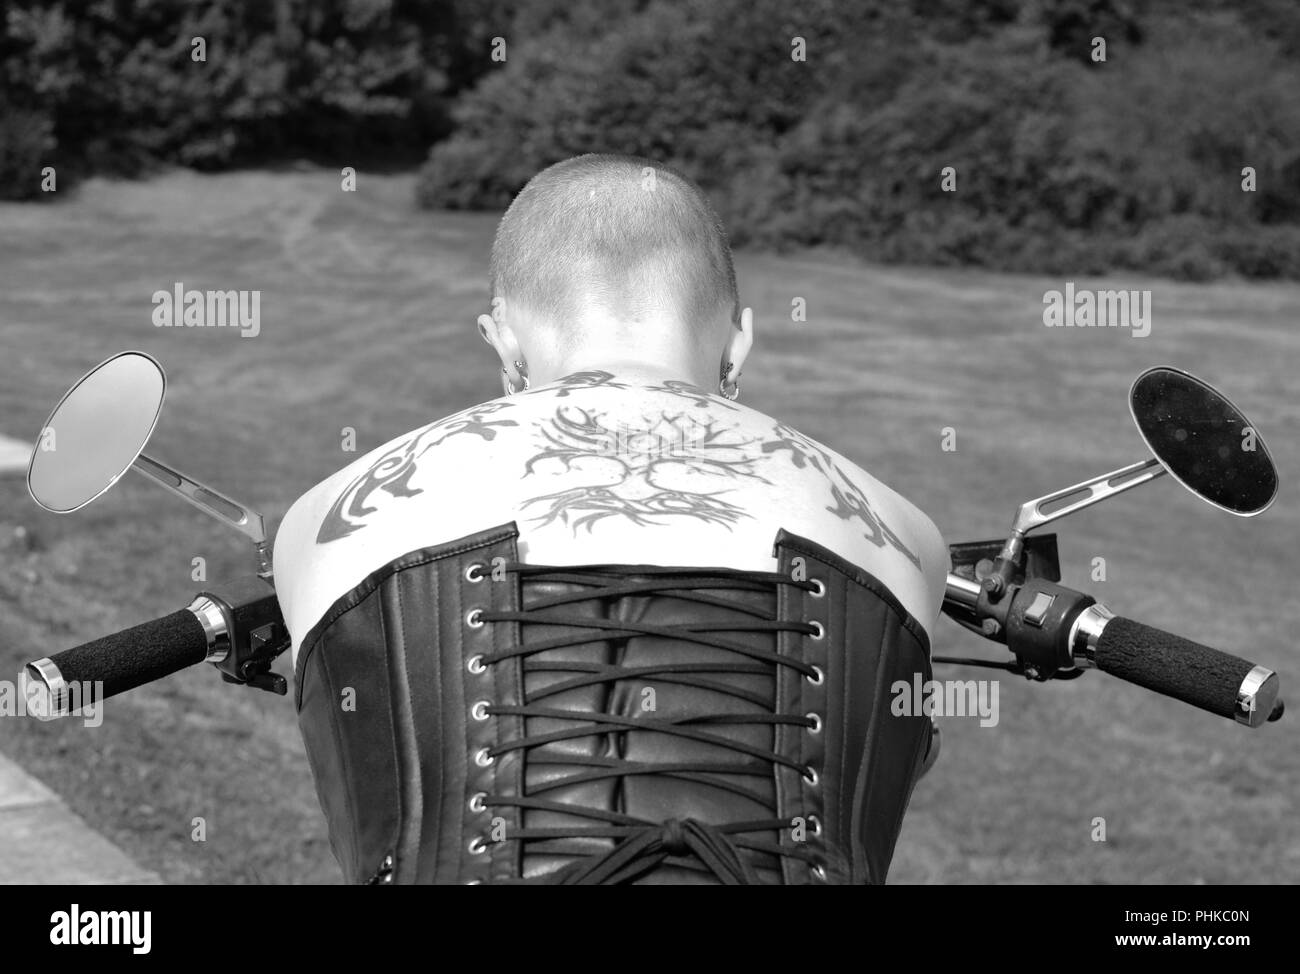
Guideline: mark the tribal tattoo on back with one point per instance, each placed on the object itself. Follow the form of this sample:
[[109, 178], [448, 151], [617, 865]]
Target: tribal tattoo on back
[[649, 467], [393, 471], [849, 502], [663, 466]]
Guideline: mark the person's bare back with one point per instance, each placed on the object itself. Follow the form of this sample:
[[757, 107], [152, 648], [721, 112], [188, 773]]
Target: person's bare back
[[596, 468], [621, 338]]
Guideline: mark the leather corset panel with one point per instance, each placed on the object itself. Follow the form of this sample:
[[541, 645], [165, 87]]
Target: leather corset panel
[[472, 719]]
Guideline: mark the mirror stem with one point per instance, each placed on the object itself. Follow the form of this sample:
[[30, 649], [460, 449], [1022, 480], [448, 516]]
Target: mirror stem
[[225, 509], [1031, 515]]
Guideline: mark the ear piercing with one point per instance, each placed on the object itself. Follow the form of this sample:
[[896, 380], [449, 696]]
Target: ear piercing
[[509, 386], [734, 391]]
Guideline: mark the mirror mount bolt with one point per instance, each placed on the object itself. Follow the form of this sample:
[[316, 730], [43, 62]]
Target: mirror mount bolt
[[264, 560]]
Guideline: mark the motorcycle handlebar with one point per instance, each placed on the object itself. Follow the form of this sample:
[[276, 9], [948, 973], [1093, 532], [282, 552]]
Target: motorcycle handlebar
[[124, 660], [1207, 678], [1219, 682]]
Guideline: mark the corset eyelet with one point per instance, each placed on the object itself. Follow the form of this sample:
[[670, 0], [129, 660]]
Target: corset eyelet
[[477, 846], [819, 588], [814, 825], [474, 619], [820, 631], [477, 803], [474, 573], [475, 664], [811, 776], [818, 676], [819, 873], [816, 727], [483, 758], [480, 710]]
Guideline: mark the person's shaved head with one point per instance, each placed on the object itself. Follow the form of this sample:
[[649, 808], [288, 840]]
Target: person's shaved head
[[617, 235]]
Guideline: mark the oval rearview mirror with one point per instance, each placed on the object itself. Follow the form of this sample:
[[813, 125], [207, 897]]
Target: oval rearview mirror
[[96, 432], [1203, 441]]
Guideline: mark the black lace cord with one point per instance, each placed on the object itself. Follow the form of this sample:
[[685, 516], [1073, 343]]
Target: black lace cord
[[644, 845]]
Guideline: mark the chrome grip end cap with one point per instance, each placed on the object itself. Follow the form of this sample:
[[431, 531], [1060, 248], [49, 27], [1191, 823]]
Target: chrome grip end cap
[[1256, 696], [52, 695]]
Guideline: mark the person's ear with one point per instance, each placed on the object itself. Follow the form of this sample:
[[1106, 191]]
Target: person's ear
[[739, 343], [502, 338]]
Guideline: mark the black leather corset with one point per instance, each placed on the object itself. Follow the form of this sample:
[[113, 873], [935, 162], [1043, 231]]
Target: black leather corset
[[472, 719]]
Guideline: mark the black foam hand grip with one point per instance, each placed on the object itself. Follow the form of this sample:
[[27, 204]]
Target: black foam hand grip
[[1172, 665], [136, 656]]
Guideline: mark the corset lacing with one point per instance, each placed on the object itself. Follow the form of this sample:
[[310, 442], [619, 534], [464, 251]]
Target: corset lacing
[[641, 845]]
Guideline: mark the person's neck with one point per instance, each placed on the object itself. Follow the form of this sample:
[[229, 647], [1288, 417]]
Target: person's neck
[[638, 371]]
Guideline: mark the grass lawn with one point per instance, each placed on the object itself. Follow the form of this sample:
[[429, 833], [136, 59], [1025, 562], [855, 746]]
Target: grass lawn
[[367, 322]]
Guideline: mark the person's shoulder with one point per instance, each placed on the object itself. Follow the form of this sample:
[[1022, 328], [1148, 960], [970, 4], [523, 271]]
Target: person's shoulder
[[409, 456], [359, 512], [918, 529]]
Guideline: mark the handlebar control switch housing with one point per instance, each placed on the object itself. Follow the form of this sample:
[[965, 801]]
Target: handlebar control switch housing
[[1039, 623], [254, 632]]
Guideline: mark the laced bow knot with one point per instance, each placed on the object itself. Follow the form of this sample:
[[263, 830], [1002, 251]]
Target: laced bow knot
[[672, 837]]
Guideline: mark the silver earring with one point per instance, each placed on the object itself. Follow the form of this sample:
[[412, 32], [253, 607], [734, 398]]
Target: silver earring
[[509, 387], [734, 392]]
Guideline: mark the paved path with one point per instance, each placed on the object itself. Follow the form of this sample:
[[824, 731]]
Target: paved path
[[41, 841], [14, 454]]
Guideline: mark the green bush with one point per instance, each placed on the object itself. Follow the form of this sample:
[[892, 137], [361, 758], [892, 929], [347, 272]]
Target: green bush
[[698, 83], [1260, 251], [26, 138], [1177, 247], [1179, 123], [343, 80], [1061, 164]]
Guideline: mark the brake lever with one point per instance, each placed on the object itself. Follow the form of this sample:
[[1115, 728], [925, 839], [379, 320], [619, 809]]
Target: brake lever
[[265, 680]]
